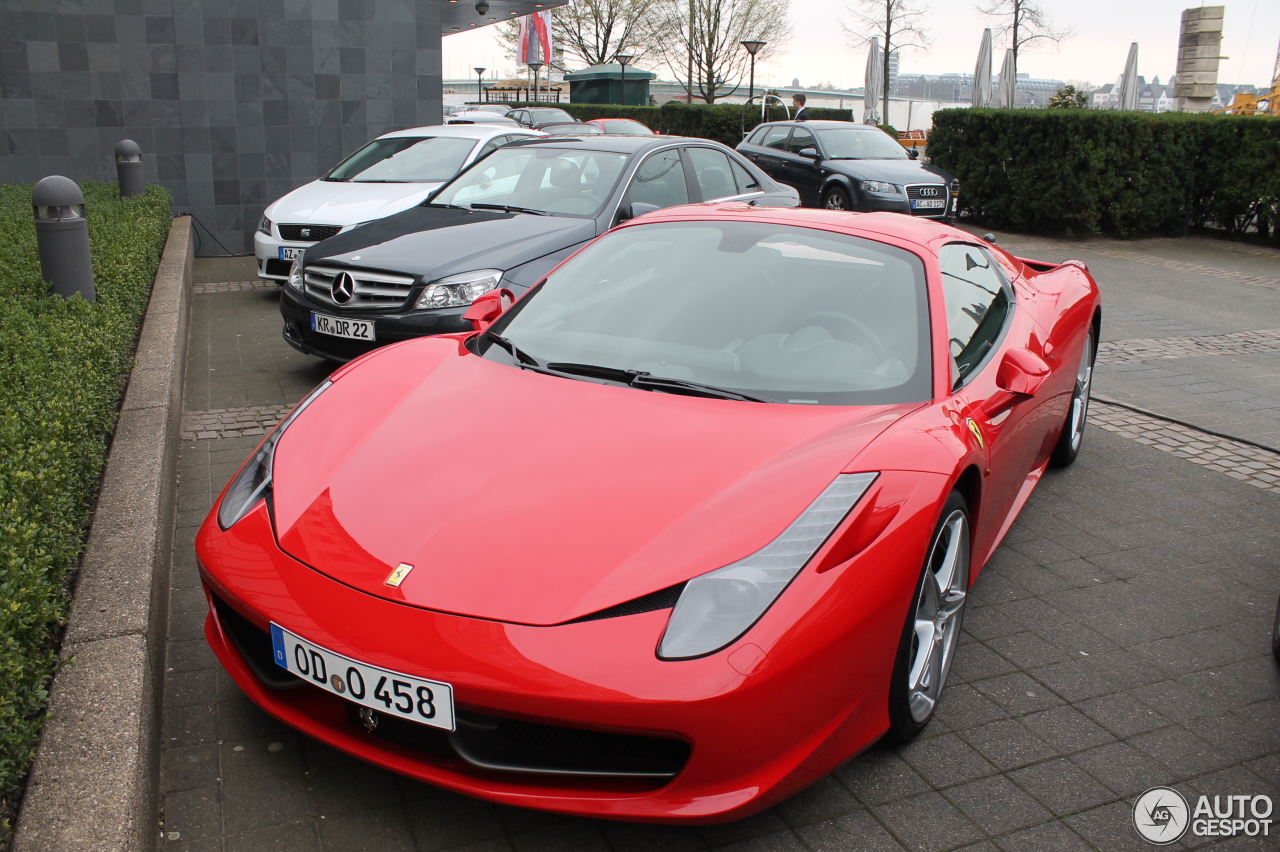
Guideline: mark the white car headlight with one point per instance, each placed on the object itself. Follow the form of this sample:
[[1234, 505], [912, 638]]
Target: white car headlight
[[264, 227], [458, 290], [717, 608], [297, 279], [253, 482], [879, 186]]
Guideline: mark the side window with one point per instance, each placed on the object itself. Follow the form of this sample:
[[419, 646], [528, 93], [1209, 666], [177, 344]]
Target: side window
[[977, 306], [744, 179], [660, 181], [776, 137], [715, 177], [757, 135], [801, 138]]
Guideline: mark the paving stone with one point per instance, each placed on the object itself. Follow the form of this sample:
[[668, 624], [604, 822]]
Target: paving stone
[[1061, 786], [1053, 836], [823, 801], [997, 806], [927, 821], [856, 832], [946, 760], [878, 776], [1008, 744]]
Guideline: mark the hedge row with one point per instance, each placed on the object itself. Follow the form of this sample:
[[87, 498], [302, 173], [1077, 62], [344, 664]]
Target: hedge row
[[1122, 173], [722, 122], [62, 362]]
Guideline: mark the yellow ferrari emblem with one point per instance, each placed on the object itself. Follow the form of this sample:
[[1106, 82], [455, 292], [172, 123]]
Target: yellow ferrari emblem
[[977, 433], [396, 577]]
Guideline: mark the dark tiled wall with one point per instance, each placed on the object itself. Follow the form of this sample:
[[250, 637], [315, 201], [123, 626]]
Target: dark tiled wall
[[234, 102]]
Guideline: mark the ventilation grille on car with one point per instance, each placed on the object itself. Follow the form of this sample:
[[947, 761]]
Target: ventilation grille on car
[[661, 599], [929, 192], [307, 233], [364, 289]]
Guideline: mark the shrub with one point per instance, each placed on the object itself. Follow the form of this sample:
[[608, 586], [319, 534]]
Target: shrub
[[1123, 173], [62, 362]]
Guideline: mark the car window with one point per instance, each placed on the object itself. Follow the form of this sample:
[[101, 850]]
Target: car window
[[563, 181], [801, 138], [743, 178], [715, 177], [854, 143], [627, 128], [660, 181], [550, 115], [757, 135], [405, 160], [977, 302], [776, 137]]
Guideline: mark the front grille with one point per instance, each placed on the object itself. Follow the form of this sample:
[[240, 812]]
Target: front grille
[[370, 289], [307, 233], [918, 191]]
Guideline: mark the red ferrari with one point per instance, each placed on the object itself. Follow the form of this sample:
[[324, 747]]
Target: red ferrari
[[673, 535]]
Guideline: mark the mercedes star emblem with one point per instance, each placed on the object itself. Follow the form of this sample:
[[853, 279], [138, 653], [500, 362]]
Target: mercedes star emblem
[[343, 288]]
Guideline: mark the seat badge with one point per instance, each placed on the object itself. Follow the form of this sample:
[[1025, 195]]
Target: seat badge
[[973, 427], [396, 577]]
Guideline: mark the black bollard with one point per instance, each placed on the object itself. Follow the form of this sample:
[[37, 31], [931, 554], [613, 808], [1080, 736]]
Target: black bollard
[[129, 168], [62, 237]]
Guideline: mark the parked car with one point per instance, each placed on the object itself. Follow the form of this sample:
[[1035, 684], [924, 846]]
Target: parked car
[[671, 537], [845, 166], [621, 126], [576, 128], [394, 172], [535, 117], [480, 116], [506, 221]]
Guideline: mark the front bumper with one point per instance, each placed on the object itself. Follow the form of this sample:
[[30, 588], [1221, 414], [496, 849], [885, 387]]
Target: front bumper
[[296, 309], [879, 203], [266, 250]]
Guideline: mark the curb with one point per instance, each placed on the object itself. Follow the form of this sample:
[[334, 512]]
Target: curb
[[93, 783]]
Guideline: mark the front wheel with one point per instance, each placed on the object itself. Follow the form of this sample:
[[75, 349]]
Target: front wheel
[[1068, 446], [932, 631], [837, 199]]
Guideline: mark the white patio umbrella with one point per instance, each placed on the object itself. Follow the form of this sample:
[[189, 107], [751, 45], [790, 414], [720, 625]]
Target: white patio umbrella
[[874, 85], [1008, 82], [1127, 97], [981, 96]]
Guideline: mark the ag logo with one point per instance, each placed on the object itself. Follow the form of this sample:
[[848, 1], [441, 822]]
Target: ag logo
[[1160, 815]]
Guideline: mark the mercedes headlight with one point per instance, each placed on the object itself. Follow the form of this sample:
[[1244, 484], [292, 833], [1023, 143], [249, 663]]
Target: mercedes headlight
[[297, 279], [253, 482], [264, 227], [879, 186], [717, 608], [458, 290]]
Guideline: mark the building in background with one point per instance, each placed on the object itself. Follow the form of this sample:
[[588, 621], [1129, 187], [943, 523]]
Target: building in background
[[1199, 49]]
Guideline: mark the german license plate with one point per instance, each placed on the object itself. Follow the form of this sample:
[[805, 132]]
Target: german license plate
[[928, 203], [428, 702], [352, 329], [287, 253]]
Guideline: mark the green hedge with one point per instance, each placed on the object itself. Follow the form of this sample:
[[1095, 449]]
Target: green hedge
[[1121, 173], [62, 364], [722, 122]]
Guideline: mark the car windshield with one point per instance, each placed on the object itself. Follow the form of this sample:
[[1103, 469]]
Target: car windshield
[[405, 159], [789, 314], [574, 129], [563, 181], [627, 128], [848, 143], [547, 115]]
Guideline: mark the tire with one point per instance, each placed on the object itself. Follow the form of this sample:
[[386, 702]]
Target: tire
[[837, 198], [1072, 436], [1275, 636], [935, 616]]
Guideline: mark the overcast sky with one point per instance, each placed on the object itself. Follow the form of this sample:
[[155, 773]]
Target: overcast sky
[[819, 50]]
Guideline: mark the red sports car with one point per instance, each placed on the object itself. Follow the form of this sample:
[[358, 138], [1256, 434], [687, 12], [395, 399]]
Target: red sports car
[[621, 126], [675, 534]]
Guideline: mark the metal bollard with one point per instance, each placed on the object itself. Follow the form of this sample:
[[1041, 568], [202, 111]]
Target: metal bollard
[[62, 236], [129, 168]]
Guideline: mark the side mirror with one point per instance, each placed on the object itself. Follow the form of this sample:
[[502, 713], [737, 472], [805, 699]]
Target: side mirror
[[639, 208], [913, 153], [1021, 372], [489, 307], [811, 153]]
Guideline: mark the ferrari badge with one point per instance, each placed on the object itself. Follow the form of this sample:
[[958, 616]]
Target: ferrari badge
[[396, 577], [973, 427]]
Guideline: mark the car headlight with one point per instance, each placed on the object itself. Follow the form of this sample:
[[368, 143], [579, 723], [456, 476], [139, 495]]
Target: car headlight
[[264, 227], [879, 186], [253, 482], [458, 290], [717, 608], [297, 279]]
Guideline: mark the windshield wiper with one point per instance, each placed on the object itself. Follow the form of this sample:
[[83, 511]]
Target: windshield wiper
[[508, 208], [380, 180], [444, 206], [648, 381], [520, 356]]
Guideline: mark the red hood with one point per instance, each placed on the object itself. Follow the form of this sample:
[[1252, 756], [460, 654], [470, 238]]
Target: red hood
[[529, 498]]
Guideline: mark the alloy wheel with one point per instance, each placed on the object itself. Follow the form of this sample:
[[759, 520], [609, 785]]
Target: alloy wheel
[[938, 612], [1080, 399], [835, 201]]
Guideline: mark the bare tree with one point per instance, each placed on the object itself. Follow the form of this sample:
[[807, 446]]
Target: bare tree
[[897, 23], [1026, 23], [702, 39], [593, 32]]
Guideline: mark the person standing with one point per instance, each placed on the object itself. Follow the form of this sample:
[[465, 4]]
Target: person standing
[[797, 101]]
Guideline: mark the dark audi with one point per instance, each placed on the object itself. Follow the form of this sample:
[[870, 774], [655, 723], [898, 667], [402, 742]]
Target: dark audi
[[505, 221]]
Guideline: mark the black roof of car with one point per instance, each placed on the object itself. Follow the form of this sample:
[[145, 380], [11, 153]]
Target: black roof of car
[[615, 144]]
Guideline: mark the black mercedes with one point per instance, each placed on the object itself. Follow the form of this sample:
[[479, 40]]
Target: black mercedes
[[506, 220], [845, 166]]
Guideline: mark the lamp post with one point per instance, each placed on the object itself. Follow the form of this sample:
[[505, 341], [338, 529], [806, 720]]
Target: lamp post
[[536, 66], [479, 83], [753, 47], [624, 59]]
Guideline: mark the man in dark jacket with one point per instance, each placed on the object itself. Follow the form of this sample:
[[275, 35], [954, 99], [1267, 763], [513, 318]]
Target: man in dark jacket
[[797, 101]]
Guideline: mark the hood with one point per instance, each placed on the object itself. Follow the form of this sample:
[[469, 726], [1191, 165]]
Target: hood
[[438, 241], [533, 499], [345, 203], [891, 171]]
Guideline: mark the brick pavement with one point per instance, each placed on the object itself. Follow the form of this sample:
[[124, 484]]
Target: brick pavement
[[1117, 640]]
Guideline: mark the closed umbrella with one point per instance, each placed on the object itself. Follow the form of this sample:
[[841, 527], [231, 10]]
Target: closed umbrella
[[981, 96], [1008, 82], [874, 85], [1127, 97]]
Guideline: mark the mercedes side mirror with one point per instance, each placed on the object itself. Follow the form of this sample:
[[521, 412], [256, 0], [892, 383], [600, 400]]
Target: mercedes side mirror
[[811, 153], [487, 308], [639, 208]]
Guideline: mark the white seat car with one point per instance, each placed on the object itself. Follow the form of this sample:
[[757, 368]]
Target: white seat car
[[392, 173]]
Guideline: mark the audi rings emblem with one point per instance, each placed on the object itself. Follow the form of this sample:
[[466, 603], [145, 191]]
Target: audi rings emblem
[[929, 191], [343, 288]]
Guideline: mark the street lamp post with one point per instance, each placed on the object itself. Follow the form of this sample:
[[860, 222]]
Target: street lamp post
[[536, 66], [624, 59], [479, 83], [753, 47]]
